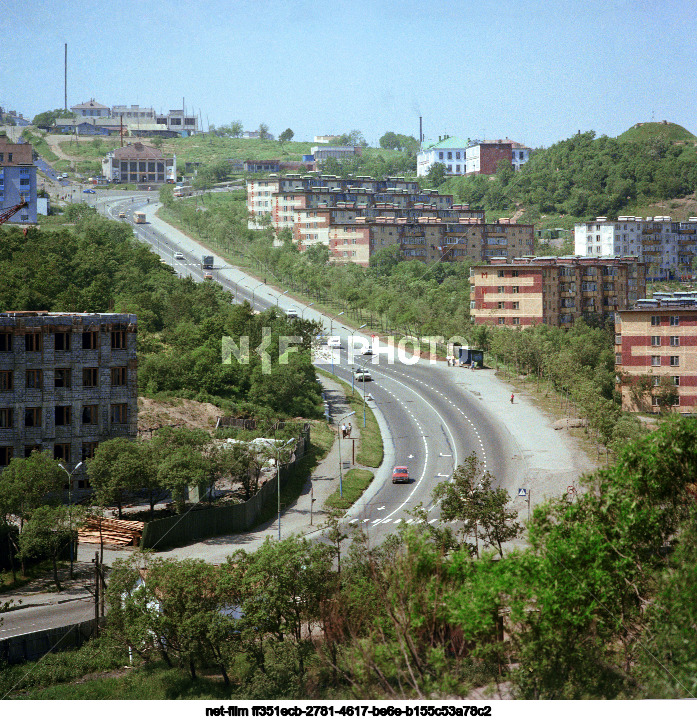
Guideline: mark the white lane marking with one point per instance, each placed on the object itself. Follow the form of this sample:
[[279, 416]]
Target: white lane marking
[[381, 508]]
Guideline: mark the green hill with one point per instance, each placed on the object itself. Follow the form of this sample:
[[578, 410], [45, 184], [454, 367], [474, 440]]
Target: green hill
[[646, 131]]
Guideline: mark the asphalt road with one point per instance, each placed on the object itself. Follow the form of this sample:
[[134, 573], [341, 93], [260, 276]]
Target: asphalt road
[[38, 618]]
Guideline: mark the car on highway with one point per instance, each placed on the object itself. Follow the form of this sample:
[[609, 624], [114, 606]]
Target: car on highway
[[367, 351], [122, 214], [89, 190], [208, 276], [291, 313], [362, 374], [334, 341], [400, 474], [179, 255]]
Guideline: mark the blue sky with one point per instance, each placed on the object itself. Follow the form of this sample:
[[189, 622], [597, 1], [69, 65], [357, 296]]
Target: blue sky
[[533, 71]]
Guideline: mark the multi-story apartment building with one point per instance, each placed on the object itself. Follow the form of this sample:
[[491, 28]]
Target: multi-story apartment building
[[667, 247], [90, 109], [140, 164], [339, 152], [471, 157], [67, 382], [655, 352], [133, 112], [357, 217], [178, 121], [17, 179], [551, 290]]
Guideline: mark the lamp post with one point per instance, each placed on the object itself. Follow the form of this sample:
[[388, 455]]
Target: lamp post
[[331, 329], [278, 450], [253, 291], [352, 340], [302, 312], [279, 297], [70, 496], [341, 477]]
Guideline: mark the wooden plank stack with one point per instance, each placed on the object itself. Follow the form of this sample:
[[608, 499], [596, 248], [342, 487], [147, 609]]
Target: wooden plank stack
[[114, 532]]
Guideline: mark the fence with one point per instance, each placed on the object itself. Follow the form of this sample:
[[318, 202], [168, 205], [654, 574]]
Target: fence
[[201, 523], [32, 646]]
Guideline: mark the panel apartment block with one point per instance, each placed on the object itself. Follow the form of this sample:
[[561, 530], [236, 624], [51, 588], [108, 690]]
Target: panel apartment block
[[17, 179], [658, 339], [667, 247], [67, 382], [552, 290]]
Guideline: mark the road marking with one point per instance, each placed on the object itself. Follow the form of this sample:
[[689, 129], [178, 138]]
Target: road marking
[[381, 508]]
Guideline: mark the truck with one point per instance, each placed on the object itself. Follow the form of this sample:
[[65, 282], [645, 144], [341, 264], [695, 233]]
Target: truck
[[207, 261]]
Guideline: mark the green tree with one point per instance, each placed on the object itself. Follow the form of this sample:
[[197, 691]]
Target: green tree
[[49, 117], [286, 136], [436, 175], [263, 131]]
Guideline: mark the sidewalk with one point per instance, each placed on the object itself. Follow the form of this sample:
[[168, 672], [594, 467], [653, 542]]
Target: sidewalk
[[305, 516]]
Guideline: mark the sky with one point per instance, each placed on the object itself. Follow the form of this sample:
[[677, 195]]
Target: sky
[[536, 72]]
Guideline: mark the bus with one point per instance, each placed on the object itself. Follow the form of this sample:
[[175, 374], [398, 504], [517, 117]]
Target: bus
[[182, 191], [139, 217]]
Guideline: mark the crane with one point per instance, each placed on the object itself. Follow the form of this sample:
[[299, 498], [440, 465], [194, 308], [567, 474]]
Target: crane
[[5, 215]]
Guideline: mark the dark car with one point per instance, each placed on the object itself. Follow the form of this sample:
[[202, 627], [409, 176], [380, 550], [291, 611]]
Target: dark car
[[89, 190], [400, 474]]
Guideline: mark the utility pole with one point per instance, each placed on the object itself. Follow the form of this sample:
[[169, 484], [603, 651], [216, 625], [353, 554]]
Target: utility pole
[[65, 77], [96, 593]]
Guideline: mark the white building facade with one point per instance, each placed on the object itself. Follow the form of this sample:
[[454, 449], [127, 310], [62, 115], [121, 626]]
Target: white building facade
[[667, 247]]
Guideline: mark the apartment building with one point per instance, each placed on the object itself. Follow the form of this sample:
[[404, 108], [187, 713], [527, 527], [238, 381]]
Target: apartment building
[[552, 290], [17, 179], [667, 247], [339, 152], [471, 157], [90, 109], [656, 354], [140, 164], [178, 121], [67, 382], [133, 112]]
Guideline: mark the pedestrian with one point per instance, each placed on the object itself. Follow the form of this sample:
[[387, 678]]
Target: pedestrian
[[511, 397], [343, 429], [350, 428]]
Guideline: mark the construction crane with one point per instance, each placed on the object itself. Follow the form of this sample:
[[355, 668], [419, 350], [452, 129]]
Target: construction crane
[[5, 215]]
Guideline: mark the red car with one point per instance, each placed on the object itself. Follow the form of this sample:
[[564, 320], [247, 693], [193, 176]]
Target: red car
[[400, 474]]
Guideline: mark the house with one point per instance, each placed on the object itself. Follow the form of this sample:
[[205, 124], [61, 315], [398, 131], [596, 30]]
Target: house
[[470, 157], [553, 290], [17, 179], [91, 109], [179, 122], [67, 382], [140, 164], [666, 246], [340, 152], [656, 354]]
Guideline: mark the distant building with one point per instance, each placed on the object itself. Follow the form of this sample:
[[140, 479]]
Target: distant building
[[91, 109], [320, 154], [553, 290], [657, 340], [178, 121], [140, 164], [471, 157], [67, 383], [667, 247], [326, 138], [17, 179], [133, 112]]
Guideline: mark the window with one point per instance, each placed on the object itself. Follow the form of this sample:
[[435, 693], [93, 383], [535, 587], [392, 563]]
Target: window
[[655, 320], [618, 340], [32, 417], [501, 289], [62, 378], [675, 360], [515, 305], [88, 450], [61, 451], [62, 341], [6, 453], [5, 342], [655, 360], [655, 340], [89, 377], [90, 340], [675, 320], [657, 381], [5, 380], [516, 321], [35, 379], [62, 415], [501, 305], [6, 418], [28, 450], [499, 274], [118, 413], [501, 321], [654, 401], [32, 342], [90, 415], [676, 380], [515, 289], [514, 273], [675, 340], [618, 358]]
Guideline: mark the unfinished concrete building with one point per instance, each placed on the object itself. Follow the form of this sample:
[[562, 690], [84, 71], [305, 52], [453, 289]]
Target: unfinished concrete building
[[67, 382]]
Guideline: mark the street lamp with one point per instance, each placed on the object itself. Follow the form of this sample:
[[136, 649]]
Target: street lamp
[[341, 477], [70, 525], [278, 450], [253, 290], [353, 332], [279, 297], [302, 312]]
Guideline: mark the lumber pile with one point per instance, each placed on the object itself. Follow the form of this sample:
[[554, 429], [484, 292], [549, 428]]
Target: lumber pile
[[113, 532]]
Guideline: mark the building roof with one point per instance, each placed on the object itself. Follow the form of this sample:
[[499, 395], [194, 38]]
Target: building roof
[[89, 104], [138, 151], [450, 142]]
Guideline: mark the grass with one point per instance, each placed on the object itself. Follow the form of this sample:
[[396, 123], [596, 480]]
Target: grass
[[354, 483], [38, 570], [40, 146]]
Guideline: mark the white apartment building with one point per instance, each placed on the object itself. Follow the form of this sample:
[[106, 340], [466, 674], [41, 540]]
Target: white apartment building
[[471, 157], [667, 247]]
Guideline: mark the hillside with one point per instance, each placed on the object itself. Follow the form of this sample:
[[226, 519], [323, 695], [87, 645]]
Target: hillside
[[671, 132]]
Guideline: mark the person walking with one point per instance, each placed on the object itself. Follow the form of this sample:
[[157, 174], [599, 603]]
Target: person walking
[[343, 429], [348, 430], [511, 397]]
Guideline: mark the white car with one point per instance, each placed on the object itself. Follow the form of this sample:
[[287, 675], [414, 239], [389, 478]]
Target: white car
[[334, 342], [178, 256]]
